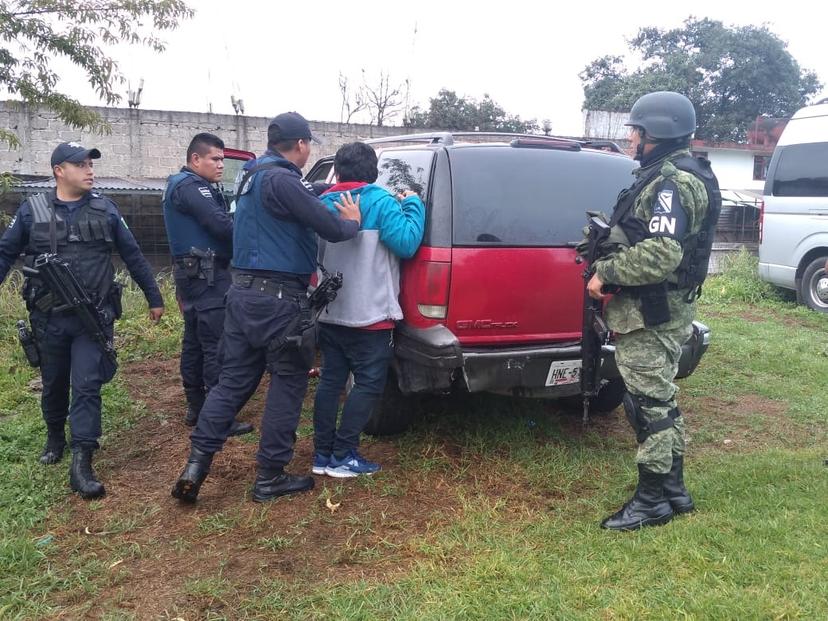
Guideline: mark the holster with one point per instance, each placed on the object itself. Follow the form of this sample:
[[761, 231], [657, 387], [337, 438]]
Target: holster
[[116, 293], [655, 309], [294, 351], [29, 343], [188, 267]]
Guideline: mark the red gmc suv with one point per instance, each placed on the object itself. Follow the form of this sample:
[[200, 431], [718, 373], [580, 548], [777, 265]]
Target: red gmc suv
[[493, 298]]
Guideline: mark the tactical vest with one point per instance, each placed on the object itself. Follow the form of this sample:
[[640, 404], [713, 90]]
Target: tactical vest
[[696, 247], [183, 230], [262, 241], [85, 242]]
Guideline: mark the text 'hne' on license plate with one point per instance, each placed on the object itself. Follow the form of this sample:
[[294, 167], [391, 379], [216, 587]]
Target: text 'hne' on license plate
[[563, 372]]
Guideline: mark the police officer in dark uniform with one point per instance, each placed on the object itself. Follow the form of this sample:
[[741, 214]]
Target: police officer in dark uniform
[[200, 233], [81, 227], [274, 254]]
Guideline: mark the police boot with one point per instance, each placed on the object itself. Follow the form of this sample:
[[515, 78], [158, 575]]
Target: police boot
[[55, 445], [195, 401], [240, 428], [674, 490], [195, 471], [647, 507], [269, 486], [82, 478]]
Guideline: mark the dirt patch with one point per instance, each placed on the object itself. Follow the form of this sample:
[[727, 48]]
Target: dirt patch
[[149, 556], [743, 423], [156, 556]]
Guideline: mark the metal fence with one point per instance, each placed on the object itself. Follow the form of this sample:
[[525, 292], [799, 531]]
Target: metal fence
[[739, 220]]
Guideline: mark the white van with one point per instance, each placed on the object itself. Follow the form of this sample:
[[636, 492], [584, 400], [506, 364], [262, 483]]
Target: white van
[[793, 243]]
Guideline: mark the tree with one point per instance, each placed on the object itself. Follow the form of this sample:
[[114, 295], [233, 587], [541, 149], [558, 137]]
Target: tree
[[352, 102], [448, 111], [33, 33], [731, 74], [383, 99]]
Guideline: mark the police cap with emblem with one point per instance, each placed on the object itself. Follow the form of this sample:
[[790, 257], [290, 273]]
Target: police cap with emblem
[[290, 126], [72, 152]]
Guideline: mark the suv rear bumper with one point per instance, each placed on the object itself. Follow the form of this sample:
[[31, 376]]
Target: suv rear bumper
[[432, 360]]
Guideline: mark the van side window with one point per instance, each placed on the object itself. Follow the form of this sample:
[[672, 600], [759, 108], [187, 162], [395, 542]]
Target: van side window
[[802, 170]]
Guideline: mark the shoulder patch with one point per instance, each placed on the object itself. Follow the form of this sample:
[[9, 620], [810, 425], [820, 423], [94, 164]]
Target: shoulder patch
[[13, 220], [664, 205], [669, 218], [308, 185], [205, 191], [124, 223]]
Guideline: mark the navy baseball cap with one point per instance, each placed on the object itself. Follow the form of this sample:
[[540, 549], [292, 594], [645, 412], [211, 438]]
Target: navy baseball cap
[[72, 152], [292, 126]]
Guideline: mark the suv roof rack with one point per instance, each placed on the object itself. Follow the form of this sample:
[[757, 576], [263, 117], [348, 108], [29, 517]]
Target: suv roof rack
[[602, 145], [432, 138], [447, 139]]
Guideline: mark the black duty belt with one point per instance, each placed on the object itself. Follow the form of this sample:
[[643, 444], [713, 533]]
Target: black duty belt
[[218, 262], [268, 285]]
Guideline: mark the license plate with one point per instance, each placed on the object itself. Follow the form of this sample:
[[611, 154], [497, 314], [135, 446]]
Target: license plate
[[562, 372]]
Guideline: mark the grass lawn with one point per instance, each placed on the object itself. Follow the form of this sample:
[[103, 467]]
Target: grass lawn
[[487, 509]]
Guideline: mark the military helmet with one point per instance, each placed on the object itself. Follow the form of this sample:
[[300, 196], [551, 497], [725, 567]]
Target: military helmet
[[664, 115]]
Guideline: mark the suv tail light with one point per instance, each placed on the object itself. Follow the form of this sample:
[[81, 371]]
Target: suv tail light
[[761, 219], [432, 289]]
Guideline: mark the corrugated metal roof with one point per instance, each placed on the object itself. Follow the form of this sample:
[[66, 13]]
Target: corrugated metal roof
[[115, 185]]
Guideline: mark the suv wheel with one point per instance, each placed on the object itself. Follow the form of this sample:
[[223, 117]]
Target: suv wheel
[[395, 412], [813, 288], [609, 398]]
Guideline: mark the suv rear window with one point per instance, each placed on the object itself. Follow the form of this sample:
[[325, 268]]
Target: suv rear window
[[802, 170], [507, 196], [405, 170]]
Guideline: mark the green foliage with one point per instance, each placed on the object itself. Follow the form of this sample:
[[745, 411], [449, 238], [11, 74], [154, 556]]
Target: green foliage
[[35, 32], [448, 111], [739, 282], [27, 489], [524, 488], [732, 74]]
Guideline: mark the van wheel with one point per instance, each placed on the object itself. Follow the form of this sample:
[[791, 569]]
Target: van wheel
[[395, 412], [609, 398], [813, 288]]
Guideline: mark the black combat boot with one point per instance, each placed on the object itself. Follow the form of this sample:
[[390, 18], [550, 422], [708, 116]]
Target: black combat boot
[[267, 486], [647, 507], [55, 445], [674, 490], [82, 478], [195, 471], [195, 401], [239, 429]]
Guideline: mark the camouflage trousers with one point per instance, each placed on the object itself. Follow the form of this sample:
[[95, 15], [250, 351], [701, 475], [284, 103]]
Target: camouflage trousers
[[648, 361]]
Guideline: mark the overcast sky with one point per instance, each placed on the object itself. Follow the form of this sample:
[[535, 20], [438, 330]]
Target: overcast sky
[[281, 56]]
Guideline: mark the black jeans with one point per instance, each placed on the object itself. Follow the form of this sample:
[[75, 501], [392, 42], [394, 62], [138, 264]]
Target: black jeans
[[366, 354], [252, 319]]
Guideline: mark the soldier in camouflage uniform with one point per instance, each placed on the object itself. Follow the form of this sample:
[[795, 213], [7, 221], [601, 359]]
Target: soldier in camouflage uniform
[[668, 216]]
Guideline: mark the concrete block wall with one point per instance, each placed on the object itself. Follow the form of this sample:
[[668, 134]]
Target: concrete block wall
[[151, 143]]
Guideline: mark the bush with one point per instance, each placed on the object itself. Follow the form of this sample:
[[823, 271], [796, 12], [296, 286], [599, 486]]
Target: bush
[[739, 282]]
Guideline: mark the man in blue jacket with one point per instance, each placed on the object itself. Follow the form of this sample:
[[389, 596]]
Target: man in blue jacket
[[200, 233], [81, 227], [277, 218], [355, 334]]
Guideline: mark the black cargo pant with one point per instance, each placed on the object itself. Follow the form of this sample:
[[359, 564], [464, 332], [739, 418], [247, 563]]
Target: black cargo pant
[[203, 309], [252, 320], [70, 358]]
